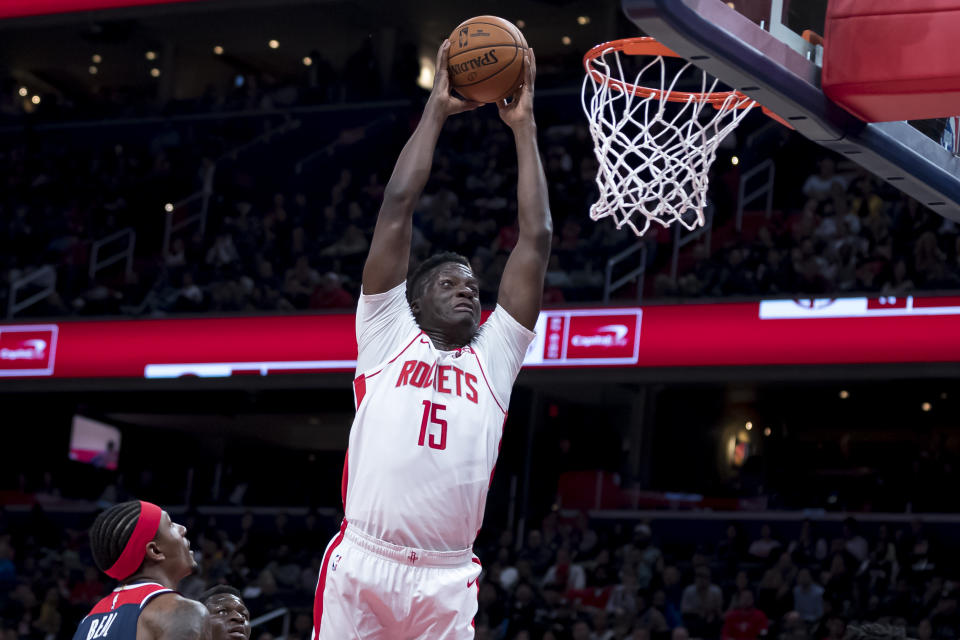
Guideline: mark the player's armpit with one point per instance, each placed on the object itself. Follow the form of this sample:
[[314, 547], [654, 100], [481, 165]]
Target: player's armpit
[[173, 617]]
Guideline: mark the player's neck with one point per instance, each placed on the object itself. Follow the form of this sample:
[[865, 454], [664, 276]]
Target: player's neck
[[445, 341], [153, 574]]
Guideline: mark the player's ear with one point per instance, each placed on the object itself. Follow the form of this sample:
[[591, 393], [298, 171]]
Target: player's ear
[[153, 552], [415, 306]]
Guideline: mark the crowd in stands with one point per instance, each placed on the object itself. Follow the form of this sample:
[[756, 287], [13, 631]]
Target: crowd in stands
[[299, 243], [568, 579]]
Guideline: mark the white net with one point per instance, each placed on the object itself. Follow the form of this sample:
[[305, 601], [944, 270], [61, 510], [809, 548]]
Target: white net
[[654, 155]]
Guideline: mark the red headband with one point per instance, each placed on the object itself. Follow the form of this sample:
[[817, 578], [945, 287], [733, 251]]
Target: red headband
[[147, 525]]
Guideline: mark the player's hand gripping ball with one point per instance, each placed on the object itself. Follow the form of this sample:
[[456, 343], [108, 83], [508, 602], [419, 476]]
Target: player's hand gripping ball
[[486, 59]]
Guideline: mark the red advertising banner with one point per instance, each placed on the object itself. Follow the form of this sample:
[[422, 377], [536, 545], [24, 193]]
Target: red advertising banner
[[771, 332], [24, 8]]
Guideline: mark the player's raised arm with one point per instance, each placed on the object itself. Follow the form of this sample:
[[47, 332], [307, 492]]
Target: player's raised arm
[[389, 255], [521, 287]]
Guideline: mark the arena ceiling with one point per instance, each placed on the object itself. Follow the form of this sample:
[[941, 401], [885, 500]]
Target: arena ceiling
[[56, 53]]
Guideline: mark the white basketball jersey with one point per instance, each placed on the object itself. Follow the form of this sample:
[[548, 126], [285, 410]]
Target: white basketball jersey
[[426, 434]]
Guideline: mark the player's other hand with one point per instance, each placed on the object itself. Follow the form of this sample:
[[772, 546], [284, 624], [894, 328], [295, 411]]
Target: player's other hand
[[518, 111], [441, 99]]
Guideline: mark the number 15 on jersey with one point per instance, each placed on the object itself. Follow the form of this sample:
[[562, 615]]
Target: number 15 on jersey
[[431, 416]]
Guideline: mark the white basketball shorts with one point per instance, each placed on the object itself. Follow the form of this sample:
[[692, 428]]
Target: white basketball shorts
[[373, 590]]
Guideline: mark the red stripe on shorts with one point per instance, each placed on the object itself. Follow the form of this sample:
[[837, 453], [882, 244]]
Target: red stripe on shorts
[[344, 478], [477, 584], [321, 583]]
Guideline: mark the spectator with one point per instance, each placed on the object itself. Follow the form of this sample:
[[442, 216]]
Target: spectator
[[945, 616], [702, 604], [764, 546], [565, 574], [353, 242], [300, 282], [649, 617], [808, 597], [808, 548], [774, 593], [854, 543], [745, 622], [732, 549], [223, 252], [330, 293], [822, 185], [87, 593], [535, 552]]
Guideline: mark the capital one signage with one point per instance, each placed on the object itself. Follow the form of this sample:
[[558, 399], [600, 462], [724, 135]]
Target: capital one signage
[[27, 350], [770, 332], [586, 337]]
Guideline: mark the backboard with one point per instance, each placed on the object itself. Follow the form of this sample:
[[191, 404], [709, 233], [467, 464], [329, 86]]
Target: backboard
[[756, 46]]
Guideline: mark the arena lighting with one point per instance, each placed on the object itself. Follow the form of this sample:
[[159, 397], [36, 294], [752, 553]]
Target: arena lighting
[[307, 61], [35, 99], [274, 44], [734, 160], [428, 69], [218, 50], [767, 431], [565, 40], [155, 72], [748, 426], [521, 24], [96, 58], [583, 20], [844, 394], [24, 92], [926, 406], [151, 55], [93, 69], [168, 208]]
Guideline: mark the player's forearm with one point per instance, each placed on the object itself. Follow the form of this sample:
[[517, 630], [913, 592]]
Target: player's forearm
[[412, 170], [533, 204]]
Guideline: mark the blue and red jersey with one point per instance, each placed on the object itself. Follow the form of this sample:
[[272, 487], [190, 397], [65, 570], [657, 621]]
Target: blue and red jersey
[[115, 617]]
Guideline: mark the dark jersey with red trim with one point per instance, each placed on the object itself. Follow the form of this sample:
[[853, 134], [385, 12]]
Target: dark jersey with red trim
[[427, 430], [115, 617]]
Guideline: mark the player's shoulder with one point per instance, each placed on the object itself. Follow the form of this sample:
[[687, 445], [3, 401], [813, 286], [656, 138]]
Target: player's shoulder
[[500, 321], [171, 615]]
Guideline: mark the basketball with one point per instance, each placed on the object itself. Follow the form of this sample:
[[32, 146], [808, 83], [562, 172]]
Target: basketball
[[486, 58]]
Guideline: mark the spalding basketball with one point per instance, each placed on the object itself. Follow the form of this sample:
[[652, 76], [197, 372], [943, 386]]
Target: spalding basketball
[[486, 58]]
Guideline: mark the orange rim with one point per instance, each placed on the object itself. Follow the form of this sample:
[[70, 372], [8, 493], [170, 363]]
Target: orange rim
[[650, 47]]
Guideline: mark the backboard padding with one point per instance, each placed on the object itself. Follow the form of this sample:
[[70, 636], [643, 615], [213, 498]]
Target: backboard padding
[[732, 47]]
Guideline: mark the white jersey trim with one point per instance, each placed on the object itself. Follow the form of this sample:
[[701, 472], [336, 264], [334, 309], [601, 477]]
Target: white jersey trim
[[153, 595]]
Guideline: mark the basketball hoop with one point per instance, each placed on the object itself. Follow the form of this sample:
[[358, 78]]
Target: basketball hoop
[[653, 163]]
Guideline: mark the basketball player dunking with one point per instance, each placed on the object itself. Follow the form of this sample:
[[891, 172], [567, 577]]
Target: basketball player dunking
[[138, 544], [431, 392]]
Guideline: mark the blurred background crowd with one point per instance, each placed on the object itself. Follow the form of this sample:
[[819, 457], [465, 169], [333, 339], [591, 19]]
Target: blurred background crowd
[[570, 578]]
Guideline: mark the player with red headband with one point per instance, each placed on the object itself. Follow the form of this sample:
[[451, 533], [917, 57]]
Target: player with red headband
[[138, 544]]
